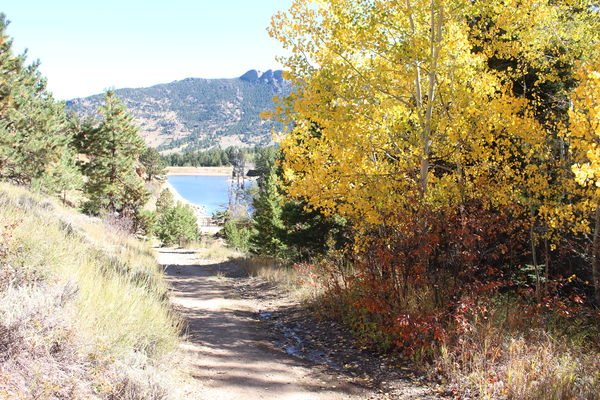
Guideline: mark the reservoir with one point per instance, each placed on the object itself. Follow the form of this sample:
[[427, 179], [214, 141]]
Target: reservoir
[[212, 192]]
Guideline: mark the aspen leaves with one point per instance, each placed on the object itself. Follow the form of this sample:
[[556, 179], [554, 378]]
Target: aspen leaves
[[584, 125], [431, 103]]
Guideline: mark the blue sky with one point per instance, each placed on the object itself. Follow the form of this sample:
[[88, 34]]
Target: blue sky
[[86, 47]]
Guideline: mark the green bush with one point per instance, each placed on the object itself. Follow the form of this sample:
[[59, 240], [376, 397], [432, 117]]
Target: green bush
[[177, 225], [147, 222], [165, 201], [237, 234]]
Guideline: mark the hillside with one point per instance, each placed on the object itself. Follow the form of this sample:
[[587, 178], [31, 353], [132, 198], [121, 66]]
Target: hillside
[[65, 278], [195, 113]]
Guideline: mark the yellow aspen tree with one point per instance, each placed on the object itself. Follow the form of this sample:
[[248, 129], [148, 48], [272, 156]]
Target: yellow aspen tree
[[396, 106], [408, 111], [584, 137]]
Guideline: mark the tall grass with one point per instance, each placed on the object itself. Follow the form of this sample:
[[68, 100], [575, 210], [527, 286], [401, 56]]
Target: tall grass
[[298, 280], [103, 286], [520, 358]]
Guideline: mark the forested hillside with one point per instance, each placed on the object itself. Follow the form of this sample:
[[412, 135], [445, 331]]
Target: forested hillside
[[194, 114]]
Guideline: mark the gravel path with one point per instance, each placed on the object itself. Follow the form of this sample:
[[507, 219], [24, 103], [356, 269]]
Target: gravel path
[[232, 353]]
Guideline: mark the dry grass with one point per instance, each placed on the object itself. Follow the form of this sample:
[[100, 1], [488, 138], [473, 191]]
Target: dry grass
[[214, 249], [302, 284], [498, 361], [271, 269], [83, 307]]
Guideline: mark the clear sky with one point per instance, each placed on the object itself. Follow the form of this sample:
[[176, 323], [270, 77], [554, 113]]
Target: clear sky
[[87, 46]]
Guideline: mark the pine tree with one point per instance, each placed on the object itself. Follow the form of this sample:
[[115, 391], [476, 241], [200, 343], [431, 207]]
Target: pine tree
[[308, 233], [177, 225], [34, 132], [113, 148], [267, 217], [61, 177], [238, 233], [165, 201], [153, 164]]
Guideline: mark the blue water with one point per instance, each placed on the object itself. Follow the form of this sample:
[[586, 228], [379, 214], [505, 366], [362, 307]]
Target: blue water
[[212, 192]]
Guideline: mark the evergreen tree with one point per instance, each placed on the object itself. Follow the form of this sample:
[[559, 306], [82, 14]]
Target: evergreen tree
[[264, 159], [147, 222], [61, 177], [34, 134], [154, 165], [267, 217], [308, 233], [113, 148], [238, 233], [165, 201], [224, 158], [177, 225], [133, 195]]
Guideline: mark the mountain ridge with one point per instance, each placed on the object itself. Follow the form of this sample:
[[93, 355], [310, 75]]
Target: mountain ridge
[[197, 113]]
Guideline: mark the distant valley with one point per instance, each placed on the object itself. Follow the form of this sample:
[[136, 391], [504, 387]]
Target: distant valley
[[194, 113]]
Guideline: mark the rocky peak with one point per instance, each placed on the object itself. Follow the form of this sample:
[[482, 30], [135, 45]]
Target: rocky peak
[[269, 76], [250, 76]]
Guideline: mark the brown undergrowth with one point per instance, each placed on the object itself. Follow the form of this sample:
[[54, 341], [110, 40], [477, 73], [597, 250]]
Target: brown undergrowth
[[515, 352], [499, 347], [297, 279]]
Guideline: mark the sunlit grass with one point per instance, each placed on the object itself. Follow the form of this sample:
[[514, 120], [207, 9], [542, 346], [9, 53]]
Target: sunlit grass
[[119, 305], [284, 275], [214, 249], [497, 358]]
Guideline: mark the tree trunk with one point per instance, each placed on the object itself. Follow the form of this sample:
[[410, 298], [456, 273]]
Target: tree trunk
[[596, 254], [535, 262], [546, 266]]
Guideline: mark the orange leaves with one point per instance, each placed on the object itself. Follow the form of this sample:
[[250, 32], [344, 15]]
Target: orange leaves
[[417, 333]]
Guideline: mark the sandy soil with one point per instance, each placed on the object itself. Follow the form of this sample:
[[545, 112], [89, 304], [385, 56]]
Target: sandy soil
[[232, 348], [200, 171], [202, 215]]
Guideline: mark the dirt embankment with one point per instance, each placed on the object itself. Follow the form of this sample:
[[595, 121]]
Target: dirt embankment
[[200, 171]]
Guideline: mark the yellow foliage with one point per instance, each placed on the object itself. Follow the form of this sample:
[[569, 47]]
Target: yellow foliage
[[584, 126], [398, 107]]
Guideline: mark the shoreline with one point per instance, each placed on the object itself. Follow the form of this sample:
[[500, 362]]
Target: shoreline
[[199, 171], [199, 210]]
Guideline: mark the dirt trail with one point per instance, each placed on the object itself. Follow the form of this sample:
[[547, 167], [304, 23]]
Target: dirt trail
[[230, 348]]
